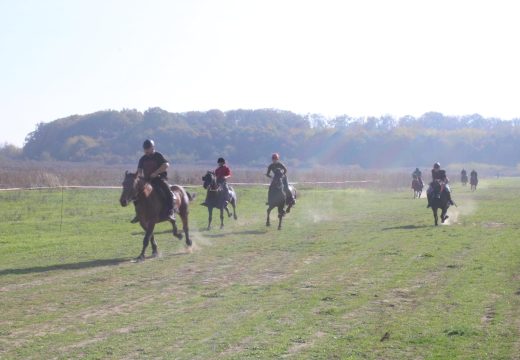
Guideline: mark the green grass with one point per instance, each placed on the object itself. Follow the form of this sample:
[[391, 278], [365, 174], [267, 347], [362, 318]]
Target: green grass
[[354, 274]]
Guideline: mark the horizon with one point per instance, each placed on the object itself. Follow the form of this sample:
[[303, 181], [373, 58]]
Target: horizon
[[332, 58]]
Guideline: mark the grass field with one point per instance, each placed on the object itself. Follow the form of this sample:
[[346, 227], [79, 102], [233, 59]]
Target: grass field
[[354, 274]]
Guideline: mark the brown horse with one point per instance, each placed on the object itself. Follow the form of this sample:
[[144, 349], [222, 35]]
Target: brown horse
[[149, 206], [277, 198], [474, 182], [417, 186], [439, 200]]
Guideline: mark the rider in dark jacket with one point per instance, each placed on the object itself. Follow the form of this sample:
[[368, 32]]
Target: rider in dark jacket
[[439, 175], [152, 166], [278, 164]]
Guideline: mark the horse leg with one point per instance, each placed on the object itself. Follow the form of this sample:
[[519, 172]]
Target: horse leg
[[228, 212], [268, 223], [147, 236], [210, 216], [222, 218], [184, 217], [234, 205], [444, 217], [435, 216], [175, 231], [155, 250], [281, 214]]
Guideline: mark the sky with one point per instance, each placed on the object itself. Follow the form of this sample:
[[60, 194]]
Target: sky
[[361, 58]]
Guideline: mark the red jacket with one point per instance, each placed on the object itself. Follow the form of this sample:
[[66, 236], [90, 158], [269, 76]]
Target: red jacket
[[222, 171]]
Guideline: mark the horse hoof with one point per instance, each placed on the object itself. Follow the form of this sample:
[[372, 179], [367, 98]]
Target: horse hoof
[[156, 255], [179, 236], [140, 258], [267, 224], [279, 228]]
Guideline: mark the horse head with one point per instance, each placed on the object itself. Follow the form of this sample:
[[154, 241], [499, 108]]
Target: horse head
[[209, 180], [129, 188]]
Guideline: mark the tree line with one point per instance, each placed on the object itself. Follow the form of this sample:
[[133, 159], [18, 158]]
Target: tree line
[[248, 137]]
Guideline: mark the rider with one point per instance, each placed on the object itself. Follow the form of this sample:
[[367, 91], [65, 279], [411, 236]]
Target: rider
[[473, 174], [152, 166], [417, 174], [439, 175], [278, 164], [222, 173], [463, 172]]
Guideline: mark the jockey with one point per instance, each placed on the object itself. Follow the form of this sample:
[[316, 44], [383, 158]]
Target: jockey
[[222, 173], [277, 164], [473, 174], [417, 174], [152, 166], [439, 175], [463, 172]]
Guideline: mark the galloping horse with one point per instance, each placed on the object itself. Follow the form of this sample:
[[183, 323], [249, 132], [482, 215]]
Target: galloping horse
[[439, 200], [417, 186], [150, 209], [464, 179], [277, 197], [215, 198], [473, 182]]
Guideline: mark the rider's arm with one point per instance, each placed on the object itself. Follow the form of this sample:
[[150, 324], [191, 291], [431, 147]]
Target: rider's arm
[[160, 170], [283, 168], [269, 169]]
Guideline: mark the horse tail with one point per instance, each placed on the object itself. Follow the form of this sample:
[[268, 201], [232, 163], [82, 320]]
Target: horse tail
[[191, 196]]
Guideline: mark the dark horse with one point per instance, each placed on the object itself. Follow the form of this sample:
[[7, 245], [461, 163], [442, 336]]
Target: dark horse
[[150, 209], [464, 179], [417, 186], [277, 197], [474, 182], [439, 200], [216, 198]]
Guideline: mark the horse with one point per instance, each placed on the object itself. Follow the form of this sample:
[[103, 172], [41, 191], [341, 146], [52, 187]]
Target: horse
[[439, 200], [277, 197], [464, 179], [473, 182], [417, 186], [215, 198], [150, 210]]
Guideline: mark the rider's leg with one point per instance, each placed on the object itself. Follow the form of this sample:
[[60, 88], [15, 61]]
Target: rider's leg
[[168, 194], [448, 192], [288, 193]]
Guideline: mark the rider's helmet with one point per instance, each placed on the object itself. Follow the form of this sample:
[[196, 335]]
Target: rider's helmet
[[437, 166], [221, 161], [148, 143], [275, 156]]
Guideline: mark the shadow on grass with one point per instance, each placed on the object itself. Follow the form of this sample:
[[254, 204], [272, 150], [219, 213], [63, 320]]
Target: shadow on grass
[[71, 266], [245, 232], [405, 227]]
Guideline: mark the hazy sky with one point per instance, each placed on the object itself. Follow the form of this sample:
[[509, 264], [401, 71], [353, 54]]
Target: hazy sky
[[364, 57]]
